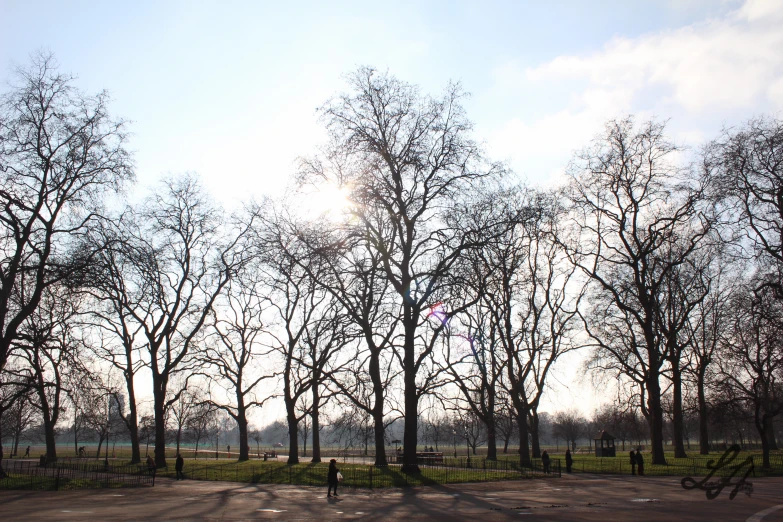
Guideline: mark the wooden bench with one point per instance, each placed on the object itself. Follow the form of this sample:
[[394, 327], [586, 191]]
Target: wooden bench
[[424, 457]]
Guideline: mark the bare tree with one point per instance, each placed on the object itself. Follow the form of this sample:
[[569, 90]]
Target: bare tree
[[199, 422], [569, 426], [627, 211], [182, 412], [323, 339], [743, 169], [707, 326], [115, 306], [353, 274], [507, 425], [16, 410], [237, 348], [49, 352], [296, 301], [60, 152], [752, 362], [409, 164], [181, 257]]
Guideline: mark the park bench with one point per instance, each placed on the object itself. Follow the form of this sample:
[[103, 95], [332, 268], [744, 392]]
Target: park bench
[[270, 455], [424, 457]]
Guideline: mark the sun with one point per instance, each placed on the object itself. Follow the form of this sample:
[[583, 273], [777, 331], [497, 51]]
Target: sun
[[328, 200]]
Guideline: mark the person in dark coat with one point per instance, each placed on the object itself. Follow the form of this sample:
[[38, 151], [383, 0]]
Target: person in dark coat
[[151, 465], [27, 453], [545, 461], [633, 463], [569, 461], [178, 466], [331, 478], [640, 462]]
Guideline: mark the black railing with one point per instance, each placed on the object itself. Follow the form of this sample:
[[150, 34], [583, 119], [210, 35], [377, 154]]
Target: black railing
[[691, 466], [73, 475], [367, 476]]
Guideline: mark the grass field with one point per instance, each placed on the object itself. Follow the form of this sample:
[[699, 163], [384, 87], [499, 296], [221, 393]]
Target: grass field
[[694, 465], [355, 475]]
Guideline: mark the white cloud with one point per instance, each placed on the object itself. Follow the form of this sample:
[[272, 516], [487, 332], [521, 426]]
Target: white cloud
[[701, 76]]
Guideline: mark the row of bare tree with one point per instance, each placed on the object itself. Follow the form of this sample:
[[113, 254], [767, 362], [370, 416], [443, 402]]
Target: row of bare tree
[[441, 278]]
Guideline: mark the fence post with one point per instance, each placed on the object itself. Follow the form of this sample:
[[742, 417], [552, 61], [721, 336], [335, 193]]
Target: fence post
[[290, 477], [370, 477], [57, 480]]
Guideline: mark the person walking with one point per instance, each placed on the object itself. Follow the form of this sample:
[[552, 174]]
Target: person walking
[[545, 461], [27, 453], [178, 466], [640, 462], [569, 461], [331, 479], [633, 463], [151, 465]]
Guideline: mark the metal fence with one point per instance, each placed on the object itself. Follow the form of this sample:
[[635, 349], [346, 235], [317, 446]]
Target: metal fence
[[369, 476], [691, 466], [73, 475]]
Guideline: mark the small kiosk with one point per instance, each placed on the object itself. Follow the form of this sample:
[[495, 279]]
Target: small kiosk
[[604, 445]]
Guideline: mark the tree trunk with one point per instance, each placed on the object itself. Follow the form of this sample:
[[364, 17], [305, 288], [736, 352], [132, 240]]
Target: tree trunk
[[524, 444], [378, 406], [677, 420], [770, 432], [704, 437], [761, 426], [49, 435], [410, 435], [316, 422], [492, 448], [293, 442], [654, 403], [380, 439], [241, 419], [2, 471], [534, 434], [133, 422], [100, 445], [17, 438], [159, 395]]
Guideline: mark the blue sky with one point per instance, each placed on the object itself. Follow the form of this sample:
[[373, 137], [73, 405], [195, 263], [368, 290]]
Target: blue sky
[[229, 89]]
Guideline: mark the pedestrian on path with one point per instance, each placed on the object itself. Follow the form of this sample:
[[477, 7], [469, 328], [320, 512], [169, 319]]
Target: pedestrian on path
[[640, 461], [331, 478], [178, 466], [569, 461], [633, 463], [151, 467], [27, 453], [545, 461]]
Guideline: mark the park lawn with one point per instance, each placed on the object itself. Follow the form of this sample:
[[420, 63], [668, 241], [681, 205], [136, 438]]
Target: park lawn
[[355, 475], [693, 465]]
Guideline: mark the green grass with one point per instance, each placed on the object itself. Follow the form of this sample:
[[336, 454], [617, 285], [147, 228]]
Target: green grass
[[355, 475], [693, 465]]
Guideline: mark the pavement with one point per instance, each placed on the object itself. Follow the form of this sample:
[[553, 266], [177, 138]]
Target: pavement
[[579, 497]]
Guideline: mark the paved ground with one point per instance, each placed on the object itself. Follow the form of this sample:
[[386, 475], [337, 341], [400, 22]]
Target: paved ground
[[576, 497]]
